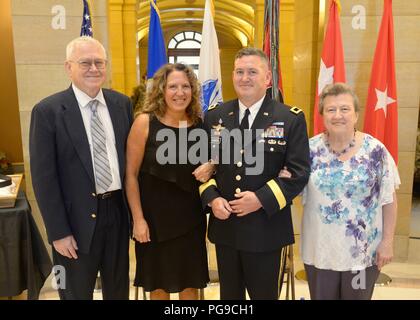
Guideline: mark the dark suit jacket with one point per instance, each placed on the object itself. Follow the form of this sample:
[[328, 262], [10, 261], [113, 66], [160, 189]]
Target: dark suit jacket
[[61, 163], [270, 227]]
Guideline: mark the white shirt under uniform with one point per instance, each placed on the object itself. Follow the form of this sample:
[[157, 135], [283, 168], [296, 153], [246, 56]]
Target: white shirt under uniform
[[253, 110]]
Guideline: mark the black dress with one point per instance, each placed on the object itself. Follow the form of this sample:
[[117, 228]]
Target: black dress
[[175, 258]]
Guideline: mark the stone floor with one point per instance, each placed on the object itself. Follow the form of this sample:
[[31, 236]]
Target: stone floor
[[405, 284], [405, 276]]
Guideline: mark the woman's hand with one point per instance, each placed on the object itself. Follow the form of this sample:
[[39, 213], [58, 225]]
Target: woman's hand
[[141, 231], [284, 173], [384, 253], [204, 172]]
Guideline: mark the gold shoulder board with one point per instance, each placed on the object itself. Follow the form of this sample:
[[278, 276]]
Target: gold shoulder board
[[295, 110]]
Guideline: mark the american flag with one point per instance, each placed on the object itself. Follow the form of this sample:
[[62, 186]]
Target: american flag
[[86, 29]]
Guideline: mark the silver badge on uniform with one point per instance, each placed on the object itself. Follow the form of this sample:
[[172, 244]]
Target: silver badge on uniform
[[274, 134]]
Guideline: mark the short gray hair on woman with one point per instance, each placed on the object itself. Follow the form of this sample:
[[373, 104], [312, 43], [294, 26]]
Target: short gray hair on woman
[[80, 40], [336, 89], [248, 51]]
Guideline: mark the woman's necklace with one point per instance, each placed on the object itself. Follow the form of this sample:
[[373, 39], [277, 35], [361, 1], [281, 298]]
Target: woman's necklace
[[340, 153]]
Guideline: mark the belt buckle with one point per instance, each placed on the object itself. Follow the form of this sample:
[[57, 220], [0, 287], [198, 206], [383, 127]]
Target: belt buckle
[[106, 195]]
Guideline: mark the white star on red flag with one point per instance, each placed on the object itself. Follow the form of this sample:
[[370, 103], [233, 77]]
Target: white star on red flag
[[326, 76], [383, 100]]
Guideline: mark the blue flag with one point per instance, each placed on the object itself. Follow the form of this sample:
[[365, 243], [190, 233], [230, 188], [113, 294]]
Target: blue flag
[[86, 29], [157, 49]]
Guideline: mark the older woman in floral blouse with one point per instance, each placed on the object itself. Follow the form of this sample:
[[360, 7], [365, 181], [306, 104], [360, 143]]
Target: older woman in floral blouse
[[350, 207]]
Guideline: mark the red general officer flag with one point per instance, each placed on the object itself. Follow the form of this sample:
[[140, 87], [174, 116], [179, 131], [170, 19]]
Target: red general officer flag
[[332, 60], [381, 113]]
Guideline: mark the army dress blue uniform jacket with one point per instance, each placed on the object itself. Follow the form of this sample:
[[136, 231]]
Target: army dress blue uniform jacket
[[285, 143]]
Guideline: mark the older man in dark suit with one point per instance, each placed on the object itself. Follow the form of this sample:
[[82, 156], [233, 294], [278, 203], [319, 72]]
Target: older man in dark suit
[[77, 150], [251, 218]]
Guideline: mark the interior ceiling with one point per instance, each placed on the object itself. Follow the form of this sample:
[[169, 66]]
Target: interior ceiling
[[234, 19]]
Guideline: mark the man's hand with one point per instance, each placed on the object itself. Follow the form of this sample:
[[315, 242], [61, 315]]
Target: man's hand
[[245, 203], [221, 208], [66, 247]]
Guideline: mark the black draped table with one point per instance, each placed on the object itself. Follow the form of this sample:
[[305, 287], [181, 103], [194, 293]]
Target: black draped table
[[24, 260]]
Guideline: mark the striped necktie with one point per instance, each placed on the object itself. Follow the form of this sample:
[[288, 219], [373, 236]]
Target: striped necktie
[[103, 177]]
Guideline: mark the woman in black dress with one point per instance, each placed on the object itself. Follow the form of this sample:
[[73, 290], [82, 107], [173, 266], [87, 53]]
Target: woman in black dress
[[169, 223]]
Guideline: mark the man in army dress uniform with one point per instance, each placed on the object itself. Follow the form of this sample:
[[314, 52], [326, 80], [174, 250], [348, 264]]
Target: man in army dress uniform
[[251, 219]]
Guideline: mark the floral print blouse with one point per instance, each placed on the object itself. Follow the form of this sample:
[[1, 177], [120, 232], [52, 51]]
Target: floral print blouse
[[342, 220]]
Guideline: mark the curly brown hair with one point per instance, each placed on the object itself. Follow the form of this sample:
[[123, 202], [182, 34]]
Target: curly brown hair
[[155, 97]]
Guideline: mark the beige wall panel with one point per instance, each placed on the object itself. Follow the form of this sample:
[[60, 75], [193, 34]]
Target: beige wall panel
[[302, 33], [303, 80], [407, 129], [117, 79], [50, 44], [306, 9], [406, 171], [304, 102], [359, 45], [39, 81], [287, 32], [118, 66], [408, 83], [25, 119], [407, 33], [400, 248], [286, 52], [303, 56], [43, 8], [404, 214], [399, 7]]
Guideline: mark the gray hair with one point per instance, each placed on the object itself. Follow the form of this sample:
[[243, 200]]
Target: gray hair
[[336, 89], [81, 40], [248, 51]]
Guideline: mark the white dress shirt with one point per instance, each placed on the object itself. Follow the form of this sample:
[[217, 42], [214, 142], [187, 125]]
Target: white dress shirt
[[253, 110], [83, 100]]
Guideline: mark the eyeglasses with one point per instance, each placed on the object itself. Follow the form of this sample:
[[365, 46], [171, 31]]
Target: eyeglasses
[[100, 64]]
